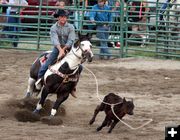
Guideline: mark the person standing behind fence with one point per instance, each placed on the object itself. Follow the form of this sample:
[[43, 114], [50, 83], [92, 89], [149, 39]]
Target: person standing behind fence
[[3, 8], [101, 17], [163, 9], [14, 11], [60, 5], [2, 13], [138, 13]]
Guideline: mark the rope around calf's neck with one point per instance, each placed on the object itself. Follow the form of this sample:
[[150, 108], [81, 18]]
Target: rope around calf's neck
[[112, 105]]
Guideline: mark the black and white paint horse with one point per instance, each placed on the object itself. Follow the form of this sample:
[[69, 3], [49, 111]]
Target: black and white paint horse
[[62, 77]]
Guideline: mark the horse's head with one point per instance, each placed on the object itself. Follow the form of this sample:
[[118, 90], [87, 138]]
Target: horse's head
[[83, 47]]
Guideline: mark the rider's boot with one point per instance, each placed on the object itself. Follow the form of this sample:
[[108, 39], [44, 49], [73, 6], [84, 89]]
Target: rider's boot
[[73, 92]]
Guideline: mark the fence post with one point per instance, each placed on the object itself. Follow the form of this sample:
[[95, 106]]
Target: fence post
[[122, 29], [39, 22]]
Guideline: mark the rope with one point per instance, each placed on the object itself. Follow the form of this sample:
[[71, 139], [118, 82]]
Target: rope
[[112, 105]]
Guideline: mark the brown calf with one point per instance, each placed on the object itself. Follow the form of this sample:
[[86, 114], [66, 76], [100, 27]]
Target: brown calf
[[121, 109]]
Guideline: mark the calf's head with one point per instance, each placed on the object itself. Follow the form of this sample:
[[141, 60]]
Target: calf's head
[[128, 107]]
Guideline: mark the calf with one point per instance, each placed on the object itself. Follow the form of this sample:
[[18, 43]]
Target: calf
[[121, 109]]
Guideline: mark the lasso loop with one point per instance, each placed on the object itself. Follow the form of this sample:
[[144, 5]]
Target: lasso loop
[[112, 105]]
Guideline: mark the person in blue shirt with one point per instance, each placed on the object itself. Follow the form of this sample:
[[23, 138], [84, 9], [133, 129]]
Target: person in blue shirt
[[12, 20], [164, 7], [102, 20]]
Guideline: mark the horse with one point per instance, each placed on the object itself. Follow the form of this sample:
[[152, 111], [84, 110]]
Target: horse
[[63, 76]]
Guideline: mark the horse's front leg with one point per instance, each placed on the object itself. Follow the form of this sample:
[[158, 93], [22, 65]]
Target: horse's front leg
[[44, 94], [60, 98], [30, 87]]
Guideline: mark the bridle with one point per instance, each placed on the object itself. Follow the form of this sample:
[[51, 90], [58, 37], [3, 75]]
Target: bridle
[[84, 52]]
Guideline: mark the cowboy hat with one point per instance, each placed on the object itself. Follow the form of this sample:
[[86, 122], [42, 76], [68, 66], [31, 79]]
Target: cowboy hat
[[61, 12]]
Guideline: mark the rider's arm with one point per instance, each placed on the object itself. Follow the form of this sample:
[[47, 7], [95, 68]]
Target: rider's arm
[[92, 14], [55, 41], [54, 38], [71, 37]]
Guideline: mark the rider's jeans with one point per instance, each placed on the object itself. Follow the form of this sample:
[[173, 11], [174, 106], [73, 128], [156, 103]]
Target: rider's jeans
[[53, 56]]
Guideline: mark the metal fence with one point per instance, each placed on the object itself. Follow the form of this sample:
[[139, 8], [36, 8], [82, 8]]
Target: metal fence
[[153, 37]]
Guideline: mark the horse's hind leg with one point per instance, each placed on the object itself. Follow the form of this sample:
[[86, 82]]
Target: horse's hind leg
[[44, 94], [30, 87]]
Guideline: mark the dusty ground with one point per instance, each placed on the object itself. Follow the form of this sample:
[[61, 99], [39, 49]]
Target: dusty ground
[[154, 85]]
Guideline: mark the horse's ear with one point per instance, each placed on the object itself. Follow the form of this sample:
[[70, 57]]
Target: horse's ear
[[82, 36], [76, 44], [89, 36], [79, 35]]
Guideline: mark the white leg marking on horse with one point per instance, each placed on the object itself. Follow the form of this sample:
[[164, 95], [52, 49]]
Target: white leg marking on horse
[[38, 84], [53, 112], [39, 106], [31, 83]]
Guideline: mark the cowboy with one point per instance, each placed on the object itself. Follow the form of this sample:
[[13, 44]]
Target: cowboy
[[62, 36]]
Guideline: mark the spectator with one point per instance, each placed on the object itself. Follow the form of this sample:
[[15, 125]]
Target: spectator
[[138, 13], [3, 12], [99, 17], [3, 8], [116, 8], [112, 3], [60, 4], [68, 2], [11, 20], [116, 15], [163, 9]]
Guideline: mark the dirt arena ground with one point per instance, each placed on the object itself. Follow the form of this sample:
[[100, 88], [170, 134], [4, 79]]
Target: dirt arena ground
[[153, 84]]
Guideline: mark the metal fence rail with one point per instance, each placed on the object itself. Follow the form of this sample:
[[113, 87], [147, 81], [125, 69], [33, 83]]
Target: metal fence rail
[[155, 38]]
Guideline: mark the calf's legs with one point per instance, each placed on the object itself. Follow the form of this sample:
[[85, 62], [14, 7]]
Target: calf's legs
[[113, 124], [98, 108], [105, 123]]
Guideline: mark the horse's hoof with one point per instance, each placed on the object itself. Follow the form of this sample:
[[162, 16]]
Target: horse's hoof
[[91, 122], [98, 129], [51, 116], [28, 95], [36, 111]]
